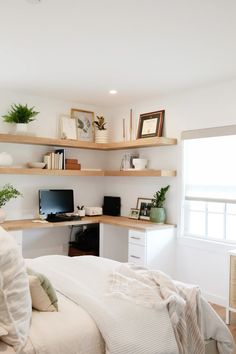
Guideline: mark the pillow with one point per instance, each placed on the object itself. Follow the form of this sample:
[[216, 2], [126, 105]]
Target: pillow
[[15, 300], [43, 295]]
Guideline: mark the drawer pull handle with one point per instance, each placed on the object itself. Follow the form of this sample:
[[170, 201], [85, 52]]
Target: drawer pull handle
[[135, 257], [135, 238]]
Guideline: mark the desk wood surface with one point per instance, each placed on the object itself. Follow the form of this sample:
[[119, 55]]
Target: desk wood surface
[[121, 221]]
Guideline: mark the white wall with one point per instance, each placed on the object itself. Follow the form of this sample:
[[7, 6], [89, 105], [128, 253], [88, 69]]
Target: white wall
[[196, 262], [87, 190]]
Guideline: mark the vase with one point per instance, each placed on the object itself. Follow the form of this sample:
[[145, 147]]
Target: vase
[[158, 215], [20, 128], [2, 215], [101, 136]]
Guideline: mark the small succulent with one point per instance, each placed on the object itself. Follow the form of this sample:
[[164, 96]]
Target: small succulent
[[159, 197], [80, 208], [19, 113], [100, 123]]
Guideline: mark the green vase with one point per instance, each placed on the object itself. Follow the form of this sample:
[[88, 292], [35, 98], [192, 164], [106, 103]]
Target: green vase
[[158, 215]]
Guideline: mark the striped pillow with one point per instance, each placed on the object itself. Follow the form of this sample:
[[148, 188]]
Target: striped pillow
[[15, 301]]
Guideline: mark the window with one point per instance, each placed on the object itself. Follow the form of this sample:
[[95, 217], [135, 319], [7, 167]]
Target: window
[[209, 208]]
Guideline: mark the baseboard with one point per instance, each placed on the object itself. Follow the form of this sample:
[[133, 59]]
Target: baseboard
[[218, 300]]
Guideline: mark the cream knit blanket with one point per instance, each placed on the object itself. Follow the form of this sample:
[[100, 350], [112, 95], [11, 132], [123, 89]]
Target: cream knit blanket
[[155, 289]]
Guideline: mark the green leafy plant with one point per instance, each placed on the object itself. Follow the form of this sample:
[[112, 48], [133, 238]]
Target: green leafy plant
[[19, 113], [80, 208], [7, 193], [159, 197], [100, 123]]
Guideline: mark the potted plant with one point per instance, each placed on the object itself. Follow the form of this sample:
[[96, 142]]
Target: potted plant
[[7, 193], [100, 130], [20, 115], [158, 213]]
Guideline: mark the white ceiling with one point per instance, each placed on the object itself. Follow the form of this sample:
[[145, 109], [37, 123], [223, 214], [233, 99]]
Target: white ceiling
[[80, 49]]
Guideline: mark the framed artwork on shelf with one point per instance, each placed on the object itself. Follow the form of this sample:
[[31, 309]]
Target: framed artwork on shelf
[[150, 124], [144, 206], [134, 213], [67, 128], [84, 124]]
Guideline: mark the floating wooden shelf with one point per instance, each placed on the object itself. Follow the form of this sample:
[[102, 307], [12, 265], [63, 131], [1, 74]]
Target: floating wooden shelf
[[35, 140], [38, 171], [142, 173]]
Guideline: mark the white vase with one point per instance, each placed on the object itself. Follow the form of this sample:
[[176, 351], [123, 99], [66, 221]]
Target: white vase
[[20, 128], [2, 215], [101, 136], [5, 159]]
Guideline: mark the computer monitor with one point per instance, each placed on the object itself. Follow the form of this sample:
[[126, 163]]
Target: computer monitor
[[56, 201]]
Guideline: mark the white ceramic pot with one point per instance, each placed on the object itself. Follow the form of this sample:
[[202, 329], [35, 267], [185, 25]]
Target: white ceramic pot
[[101, 136], [140, 164], [5, 159], [3, 215], [81, 213], [20, 128]]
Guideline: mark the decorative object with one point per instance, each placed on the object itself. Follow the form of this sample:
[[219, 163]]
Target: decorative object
[[67, 128], [84, 124], [36, 164], [123, 129], [144, 206], [130, 124], [101, 134], [158, 213], [134, 213], [127, 161], [7, 193], [150, 124], [5, 159], [20, 115], [81, 210], [140, 164]]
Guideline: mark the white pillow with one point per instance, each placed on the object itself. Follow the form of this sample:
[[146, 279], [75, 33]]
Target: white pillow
[[15, 300]]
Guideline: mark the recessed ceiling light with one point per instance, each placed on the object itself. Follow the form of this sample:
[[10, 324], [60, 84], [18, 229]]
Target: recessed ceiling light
[[113, 92]]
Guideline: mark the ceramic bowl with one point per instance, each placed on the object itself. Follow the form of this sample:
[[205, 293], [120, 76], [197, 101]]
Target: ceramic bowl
[[140, 164], [36, 164]]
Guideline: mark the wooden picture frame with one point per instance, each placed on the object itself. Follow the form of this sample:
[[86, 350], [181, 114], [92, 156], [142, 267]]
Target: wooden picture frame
[[150, 124], [134, 213], [144, 206], [84, 124]]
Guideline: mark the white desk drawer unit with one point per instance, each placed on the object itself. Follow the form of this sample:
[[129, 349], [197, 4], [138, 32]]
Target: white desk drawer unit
[[151, 247]]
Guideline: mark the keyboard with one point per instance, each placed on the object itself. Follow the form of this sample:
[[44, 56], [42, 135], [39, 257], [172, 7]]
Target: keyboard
[[60, 218]]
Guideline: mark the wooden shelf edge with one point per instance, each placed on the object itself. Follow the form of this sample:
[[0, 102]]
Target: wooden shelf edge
[[142, 173], [38, 171], [139, 143]]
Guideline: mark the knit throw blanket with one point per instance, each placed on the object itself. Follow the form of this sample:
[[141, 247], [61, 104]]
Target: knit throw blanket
[[151, 288]]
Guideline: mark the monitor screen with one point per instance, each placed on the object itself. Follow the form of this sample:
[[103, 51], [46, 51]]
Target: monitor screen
[[55, 201]]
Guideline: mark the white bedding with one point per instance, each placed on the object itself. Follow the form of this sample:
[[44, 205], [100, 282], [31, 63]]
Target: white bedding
[[126, 327], [68, 331]]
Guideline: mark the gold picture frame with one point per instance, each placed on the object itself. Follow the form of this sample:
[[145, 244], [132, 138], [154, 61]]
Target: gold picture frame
[[84, 121]]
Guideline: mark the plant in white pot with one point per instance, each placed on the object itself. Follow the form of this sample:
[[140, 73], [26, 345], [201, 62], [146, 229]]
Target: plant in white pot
[[101, 135], [158, 213], [7, 193], [81, 210], [20, 115]]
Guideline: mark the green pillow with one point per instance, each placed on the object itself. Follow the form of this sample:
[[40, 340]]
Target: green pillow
[[43, 295]]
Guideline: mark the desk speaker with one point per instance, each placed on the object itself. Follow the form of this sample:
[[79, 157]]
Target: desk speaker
[[111, 206]]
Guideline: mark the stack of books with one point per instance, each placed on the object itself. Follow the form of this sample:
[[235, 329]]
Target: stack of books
[[72, 164], [55, 160]]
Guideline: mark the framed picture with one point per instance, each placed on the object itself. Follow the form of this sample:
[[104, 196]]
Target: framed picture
[[134, 213], [84, 124], [67, 128], [144, 206], [150, 124]]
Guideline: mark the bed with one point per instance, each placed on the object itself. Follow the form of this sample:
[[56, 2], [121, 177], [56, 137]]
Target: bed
[[98, 313]]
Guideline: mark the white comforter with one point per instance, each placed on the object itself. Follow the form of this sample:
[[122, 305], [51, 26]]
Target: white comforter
[[126, 327]]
